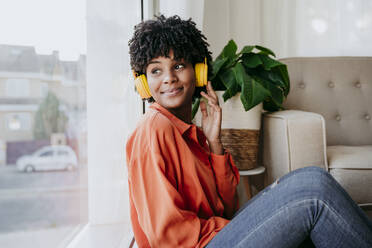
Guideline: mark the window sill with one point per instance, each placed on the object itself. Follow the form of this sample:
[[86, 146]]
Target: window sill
[[117, 235]]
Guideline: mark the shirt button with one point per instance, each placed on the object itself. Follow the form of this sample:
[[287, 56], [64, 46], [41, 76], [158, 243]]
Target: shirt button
[[358, 85], [367, 117], [331, 85], [301, 85], [338, 117]]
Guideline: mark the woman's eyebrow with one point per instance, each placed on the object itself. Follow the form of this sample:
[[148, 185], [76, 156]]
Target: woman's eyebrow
[[154, 62]]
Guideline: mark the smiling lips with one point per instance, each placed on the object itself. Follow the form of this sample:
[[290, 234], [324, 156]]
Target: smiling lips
[[172, 92]]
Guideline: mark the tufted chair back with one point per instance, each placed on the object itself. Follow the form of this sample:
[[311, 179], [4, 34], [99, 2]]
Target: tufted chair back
[[340, 89]]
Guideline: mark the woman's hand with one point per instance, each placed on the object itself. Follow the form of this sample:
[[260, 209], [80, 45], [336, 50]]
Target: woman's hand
[[211, 121]]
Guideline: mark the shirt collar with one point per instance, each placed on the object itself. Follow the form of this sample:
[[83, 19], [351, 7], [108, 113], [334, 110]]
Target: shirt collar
[[180, 125]]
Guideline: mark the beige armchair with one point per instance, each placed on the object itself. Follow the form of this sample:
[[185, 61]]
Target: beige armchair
[[327, 123]]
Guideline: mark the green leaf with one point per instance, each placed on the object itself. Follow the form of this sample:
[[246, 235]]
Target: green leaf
[[252, 94], [246, 50], [230, 92], [270, 106], [251, 60], [276, 79], [273, 77], [282, 71], [217, 64], [277, 95], [275, 100], [265, 50], [229, 50], [268, 62], [229, 80], [195, 107], [274, 103], [240, 74], [217, 84], [226, 59]]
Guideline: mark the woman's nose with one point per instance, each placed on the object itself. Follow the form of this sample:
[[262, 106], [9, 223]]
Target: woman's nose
[[170, 77]]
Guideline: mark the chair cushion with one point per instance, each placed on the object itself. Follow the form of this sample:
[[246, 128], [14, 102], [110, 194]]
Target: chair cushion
[[351, 166]]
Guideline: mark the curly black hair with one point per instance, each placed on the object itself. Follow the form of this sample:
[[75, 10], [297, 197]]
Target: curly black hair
[[154, 38]]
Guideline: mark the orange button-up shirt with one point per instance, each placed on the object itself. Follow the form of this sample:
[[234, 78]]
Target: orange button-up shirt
[[181, 194]]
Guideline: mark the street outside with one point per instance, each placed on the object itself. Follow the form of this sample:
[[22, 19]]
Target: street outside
[[42, 200]]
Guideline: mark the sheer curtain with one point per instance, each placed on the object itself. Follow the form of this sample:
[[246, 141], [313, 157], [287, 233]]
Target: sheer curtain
[[113, 109], [184, 8], [292, 27], [318, 27]]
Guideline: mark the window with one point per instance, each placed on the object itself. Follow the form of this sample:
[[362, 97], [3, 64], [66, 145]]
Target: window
[[43, 89], [19, 122], [44, 197], [17, 87], [62, 153], [113, 111], [14, 123], [46, 154]]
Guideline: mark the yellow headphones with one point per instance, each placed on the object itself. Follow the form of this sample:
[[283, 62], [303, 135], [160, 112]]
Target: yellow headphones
[[201, 75]]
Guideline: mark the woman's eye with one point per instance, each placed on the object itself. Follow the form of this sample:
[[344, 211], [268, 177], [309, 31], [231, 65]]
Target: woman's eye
[[179, 66], [155, 71]]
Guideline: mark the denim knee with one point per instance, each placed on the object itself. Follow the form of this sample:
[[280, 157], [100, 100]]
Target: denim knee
[[311, 179], [306, 172], [311, 169]]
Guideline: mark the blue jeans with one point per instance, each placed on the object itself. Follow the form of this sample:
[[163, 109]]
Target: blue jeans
[[305, 204]]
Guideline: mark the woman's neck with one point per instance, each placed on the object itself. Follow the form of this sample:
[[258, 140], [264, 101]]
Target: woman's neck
[[183, 113]]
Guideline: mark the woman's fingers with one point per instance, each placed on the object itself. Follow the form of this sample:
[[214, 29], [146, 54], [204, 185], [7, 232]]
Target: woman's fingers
[[203, 109], [211, 91], [210, 98], [211, 102]]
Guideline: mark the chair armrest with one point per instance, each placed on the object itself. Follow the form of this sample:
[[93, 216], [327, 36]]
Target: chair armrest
[[292, 139]]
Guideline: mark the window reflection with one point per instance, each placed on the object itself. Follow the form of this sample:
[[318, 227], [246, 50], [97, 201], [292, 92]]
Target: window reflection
[[43, 172]]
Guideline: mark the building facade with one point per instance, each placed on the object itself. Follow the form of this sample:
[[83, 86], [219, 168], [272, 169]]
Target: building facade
[[25, 80]]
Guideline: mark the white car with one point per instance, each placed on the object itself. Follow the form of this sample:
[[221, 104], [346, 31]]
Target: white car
[[57, 157]]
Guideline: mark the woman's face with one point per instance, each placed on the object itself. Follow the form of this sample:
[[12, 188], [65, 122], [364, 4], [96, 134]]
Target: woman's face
[[171, 82]]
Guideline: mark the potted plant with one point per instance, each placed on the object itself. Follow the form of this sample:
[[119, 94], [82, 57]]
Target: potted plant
[[246, 82]]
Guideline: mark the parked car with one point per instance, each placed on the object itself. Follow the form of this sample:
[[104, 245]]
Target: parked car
[[58, 157]]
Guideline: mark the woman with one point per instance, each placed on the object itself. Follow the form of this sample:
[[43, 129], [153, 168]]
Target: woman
[[183, 182]]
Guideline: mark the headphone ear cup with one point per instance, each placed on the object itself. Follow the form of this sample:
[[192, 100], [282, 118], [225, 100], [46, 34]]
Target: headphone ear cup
[[201, 74], [142, 86]]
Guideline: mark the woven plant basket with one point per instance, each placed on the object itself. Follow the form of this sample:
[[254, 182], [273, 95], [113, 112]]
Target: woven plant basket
[[243, 146]]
